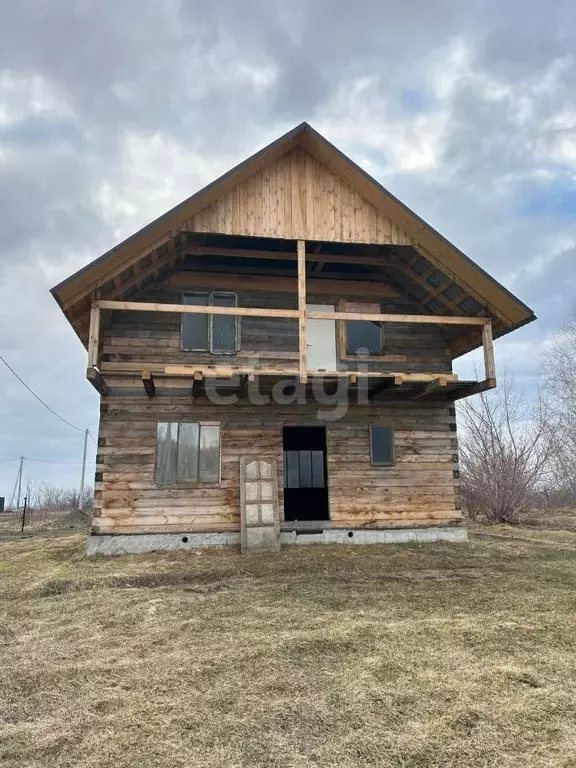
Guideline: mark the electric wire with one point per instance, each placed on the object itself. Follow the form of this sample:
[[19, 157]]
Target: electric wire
[[39, 398]]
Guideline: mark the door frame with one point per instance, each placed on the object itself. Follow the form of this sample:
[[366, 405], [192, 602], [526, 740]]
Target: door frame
[[326, 473]]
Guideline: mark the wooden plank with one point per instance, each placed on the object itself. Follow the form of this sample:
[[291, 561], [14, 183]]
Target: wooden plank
[[473, 389], [303, 355], [143, 306], [488, 346], [226, 371], [148, 382], [94, 336], [384, 318]]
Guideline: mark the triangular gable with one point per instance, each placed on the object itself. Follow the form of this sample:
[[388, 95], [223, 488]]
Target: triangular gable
[[298, 198], [300, 161]]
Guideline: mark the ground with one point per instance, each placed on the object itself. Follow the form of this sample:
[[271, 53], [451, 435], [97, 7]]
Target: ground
[[407, 656]]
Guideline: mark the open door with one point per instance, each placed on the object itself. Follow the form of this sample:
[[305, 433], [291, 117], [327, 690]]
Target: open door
[[305, 474]]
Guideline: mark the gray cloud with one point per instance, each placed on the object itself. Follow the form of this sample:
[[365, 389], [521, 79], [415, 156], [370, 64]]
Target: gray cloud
[[112, 112]]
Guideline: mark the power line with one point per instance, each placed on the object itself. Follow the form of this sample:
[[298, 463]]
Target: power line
[[5, 461], [57, 461], [91, 438], [39, 398]]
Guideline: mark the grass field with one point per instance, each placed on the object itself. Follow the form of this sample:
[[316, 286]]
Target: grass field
[[407, 656]]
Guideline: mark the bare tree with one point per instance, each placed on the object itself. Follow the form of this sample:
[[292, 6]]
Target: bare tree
[[559, 373], [505, 447]]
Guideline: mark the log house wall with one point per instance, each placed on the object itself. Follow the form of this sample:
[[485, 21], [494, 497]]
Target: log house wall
[[420, 489]]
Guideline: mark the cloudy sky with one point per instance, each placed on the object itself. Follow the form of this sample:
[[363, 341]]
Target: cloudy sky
[[113, 111]]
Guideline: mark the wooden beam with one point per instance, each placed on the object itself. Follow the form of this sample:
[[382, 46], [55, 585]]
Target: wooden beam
[[300, 313], [189, 279], [197, 384], [223, 372], [378, 318], [303, 364], [431, 386], [94, 336], [473, 389], [488, 346], [244, 253], [148, 381], [143, 306], [95, 378]]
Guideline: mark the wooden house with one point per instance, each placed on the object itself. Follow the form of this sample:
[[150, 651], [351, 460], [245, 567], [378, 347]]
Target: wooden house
[[274, 360]]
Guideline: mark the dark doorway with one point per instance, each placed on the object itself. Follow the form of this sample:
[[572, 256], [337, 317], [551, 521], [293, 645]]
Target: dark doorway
[[305, 474]]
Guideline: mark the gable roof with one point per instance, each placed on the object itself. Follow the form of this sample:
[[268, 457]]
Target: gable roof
[[74, 293]]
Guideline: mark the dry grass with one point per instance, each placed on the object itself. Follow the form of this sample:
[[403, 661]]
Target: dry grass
[[442, 655]]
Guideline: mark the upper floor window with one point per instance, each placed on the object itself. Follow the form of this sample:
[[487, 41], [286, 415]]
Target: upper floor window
[[363, 336], [210, 333]]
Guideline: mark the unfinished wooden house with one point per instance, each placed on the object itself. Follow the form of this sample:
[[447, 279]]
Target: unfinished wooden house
[[274, 361]]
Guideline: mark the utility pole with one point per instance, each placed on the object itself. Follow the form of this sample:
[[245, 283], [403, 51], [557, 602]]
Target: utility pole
[[19, 482], [81, 499]]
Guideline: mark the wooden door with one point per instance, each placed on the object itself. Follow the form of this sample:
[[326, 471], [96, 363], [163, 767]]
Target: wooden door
[[321, 340], [259, 518]]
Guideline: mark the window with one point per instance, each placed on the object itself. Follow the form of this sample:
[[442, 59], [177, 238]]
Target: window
[[187, 453], [362, 336], [210, 333], [381, 445]]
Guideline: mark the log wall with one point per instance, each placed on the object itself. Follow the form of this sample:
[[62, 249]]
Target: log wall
[[420, 489], [152, 340]]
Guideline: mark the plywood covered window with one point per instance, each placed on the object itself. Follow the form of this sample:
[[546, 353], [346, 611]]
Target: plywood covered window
[[360, 337], [210, 333], [187, 452], [381, 445]]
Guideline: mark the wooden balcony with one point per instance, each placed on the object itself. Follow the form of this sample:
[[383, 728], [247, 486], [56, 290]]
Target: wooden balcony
[[240, 375]]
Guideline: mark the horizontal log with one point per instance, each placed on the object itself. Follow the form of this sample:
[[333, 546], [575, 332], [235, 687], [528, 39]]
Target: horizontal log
[[385, 318], [193, 309]]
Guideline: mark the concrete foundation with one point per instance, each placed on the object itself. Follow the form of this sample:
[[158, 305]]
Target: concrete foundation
[[129, 544]]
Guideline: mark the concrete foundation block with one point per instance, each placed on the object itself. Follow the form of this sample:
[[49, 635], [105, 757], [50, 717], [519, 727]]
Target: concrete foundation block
[[263, 538], [364, 536], [130, 544]]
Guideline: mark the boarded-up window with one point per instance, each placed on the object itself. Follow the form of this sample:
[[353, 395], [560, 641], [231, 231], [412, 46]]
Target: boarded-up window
[[187, 453], [209, 333], [363, 337], [381, 445]]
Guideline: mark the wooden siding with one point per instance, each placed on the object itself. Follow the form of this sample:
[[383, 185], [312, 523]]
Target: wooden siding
[[421, 489], [152, 340], [298, 197]]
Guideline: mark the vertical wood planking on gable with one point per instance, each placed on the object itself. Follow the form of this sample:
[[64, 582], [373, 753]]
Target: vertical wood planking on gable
[[298, 197], [249, 213], [297, 214], [286, 214], [266, 201]]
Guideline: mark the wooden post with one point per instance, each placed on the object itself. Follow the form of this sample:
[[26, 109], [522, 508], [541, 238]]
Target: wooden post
[[303, 356], [94, 337], [488, 345]]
